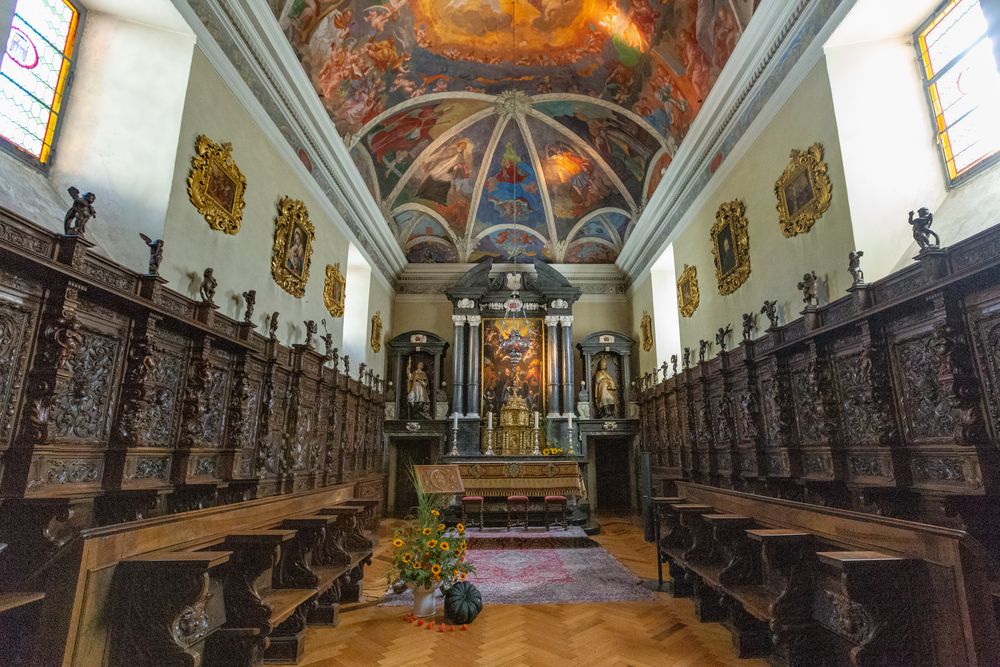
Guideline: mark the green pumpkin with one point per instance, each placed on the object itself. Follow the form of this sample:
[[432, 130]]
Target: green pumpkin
[[462, 603]]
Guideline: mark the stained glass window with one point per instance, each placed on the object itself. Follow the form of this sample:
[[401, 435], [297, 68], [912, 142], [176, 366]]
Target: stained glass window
[[33, 74], [963, 86]]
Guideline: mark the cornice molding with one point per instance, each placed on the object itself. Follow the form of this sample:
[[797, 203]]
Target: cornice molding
[[245, 45], [782, 44], [593, 279]]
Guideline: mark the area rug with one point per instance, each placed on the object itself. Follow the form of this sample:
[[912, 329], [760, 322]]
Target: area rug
[[547, 576], [535, 538]]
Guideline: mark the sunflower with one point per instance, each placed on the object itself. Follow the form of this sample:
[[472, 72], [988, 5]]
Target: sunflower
[[445, 546], [435, 569], [464, 545], [418, 565], [426, 531], [460, 527], [431, 544], [407, 557], [441, 527], [435, 513], [397, 542]]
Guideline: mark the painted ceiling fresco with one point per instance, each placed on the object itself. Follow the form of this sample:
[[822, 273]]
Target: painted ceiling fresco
[[513, 127]]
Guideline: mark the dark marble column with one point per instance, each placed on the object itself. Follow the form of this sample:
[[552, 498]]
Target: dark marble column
[[472, 394], [552, 365], [568, 402], [458, 366]]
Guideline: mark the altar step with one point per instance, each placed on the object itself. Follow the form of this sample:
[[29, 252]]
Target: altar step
[[534, 538]]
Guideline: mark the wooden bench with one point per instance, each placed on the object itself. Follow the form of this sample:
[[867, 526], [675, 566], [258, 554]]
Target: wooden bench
[[807, 585]]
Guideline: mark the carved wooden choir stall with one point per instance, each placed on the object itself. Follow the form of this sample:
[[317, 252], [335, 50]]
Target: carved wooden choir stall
[[122, 400]]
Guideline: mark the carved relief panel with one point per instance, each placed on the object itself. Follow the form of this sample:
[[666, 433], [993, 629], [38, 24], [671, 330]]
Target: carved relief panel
[[17, 328]]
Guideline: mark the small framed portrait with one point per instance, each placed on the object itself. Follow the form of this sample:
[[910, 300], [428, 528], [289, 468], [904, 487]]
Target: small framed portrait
[[803, 191], [334, 290], [688, 296], [293, 241], [216, 185], [731, 246]]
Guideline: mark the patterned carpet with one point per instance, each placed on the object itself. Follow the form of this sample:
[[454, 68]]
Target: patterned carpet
[[535, 538], [545, 576]]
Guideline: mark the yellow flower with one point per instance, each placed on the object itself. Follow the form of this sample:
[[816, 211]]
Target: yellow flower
[[441, 527], [426, 531], [407, 557], [397, 543], [435, 569], [431, 544], [462, 576], [460, 527], [435, 513], [445, 546], [464, 544], [418, 565]]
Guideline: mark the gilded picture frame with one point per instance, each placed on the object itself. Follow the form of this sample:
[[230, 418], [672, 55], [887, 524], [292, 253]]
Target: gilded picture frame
[[293, 245], [688, 296], [731, 246], [803, 191], [646, 330], [334, 289], [376, 337], [216, 185]]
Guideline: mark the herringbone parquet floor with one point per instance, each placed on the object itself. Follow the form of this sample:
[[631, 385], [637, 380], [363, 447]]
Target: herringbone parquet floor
[[661, 633]]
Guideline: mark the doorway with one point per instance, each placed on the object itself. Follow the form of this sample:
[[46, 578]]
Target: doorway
[[408, 451], [613, 481]]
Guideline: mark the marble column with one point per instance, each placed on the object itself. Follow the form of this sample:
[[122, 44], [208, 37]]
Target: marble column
[[568, 403], [458, 366], [472, 392], [552, 365]]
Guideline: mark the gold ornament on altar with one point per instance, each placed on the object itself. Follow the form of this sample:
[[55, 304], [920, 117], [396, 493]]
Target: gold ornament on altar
[[731, 246], [334, 290], [804, 191], [514, 434], [688, 296], [293, 239], [376, 339], [216, 185]]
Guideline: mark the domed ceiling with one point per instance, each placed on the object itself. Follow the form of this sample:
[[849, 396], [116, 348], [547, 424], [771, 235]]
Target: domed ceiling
[[513, 127]]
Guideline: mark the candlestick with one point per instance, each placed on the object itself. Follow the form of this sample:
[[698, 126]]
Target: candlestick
[[536, 451], [454, 436], [454, 420], [489, 436], [489, 420], [536, 419]]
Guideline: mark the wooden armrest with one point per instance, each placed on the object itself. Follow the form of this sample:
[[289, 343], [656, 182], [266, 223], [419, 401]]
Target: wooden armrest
[[17, 600]]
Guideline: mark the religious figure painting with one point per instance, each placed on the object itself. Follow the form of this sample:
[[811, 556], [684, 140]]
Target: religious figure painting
[[688, 296], [216, 185], [513, 363], [731, 246], [293, 239], [803, 190]]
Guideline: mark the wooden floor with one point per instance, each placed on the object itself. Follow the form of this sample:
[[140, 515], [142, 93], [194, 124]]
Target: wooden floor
[[664, 632]]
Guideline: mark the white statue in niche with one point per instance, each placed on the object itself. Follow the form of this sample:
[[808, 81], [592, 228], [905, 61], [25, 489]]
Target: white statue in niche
[[417, 394], [605, 390]]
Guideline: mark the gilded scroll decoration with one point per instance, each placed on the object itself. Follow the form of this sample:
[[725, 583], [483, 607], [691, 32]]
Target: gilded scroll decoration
[[688, 296], [803, 191], [376, 338], [646, 329], [293, 241], [216, 185], [731, 246], [334, 289]]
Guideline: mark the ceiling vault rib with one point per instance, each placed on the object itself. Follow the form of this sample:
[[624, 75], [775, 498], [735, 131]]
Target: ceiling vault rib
[[477, 190], [592, 152], [536, 163], [590, 216], [524, 228], [426, 210], [415, 102]]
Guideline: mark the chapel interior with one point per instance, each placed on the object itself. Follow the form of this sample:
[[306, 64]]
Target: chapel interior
[[500, 332]]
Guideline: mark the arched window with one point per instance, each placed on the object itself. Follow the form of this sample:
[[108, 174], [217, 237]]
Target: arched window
[[34, 74], [963, 86]]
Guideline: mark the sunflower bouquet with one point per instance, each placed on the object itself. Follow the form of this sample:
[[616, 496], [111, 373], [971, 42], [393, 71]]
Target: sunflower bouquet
[[425, 552]]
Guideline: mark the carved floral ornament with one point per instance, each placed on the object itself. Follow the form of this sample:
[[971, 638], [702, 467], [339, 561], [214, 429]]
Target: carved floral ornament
[[803, 191], [688, 297], [376, 339], [293, 241], [333, 295], [216, 185], [731, 246]]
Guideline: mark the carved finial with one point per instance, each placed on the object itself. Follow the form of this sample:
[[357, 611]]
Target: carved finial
[[749, 324], [155, 254], [250, 299], [770, 310], [854, 267]]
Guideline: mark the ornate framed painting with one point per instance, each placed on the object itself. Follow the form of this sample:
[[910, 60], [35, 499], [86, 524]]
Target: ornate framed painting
[[688, 296], [293, 242], [803, 191], [376, 339], [731, 246], [334, 289], [216, 185], [646, 330]]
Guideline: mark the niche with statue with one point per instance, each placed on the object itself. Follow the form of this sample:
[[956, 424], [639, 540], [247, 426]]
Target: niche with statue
[[606, 361], [417, 359]]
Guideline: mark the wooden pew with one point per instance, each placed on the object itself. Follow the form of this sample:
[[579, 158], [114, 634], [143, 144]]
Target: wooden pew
[[19, 618]]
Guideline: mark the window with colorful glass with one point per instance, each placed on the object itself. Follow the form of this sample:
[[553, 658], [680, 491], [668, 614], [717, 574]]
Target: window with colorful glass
[[34, 73], [963, 86]]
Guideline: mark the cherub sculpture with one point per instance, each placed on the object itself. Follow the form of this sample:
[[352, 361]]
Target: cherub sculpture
[[311, 330], [808, 287], [748, 326], [272, 326], [208, 286], [687, 357], [673, 363], [155, 254], [721, 335], [702, 350], [327, 339], [770, 311], [250, 299], [854, 267], [79, 214], [922, 228]]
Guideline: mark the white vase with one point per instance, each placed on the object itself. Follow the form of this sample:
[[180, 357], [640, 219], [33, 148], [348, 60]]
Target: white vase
[[424, 602]]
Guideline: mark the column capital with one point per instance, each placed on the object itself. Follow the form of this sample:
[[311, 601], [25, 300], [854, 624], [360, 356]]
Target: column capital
[[551, 320], [459, 320], [474, 320], [566, 320]]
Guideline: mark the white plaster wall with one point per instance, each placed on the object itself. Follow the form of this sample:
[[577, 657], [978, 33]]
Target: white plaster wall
[[119, 131], [380, 298], [243, 261]]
